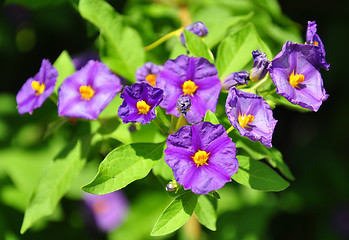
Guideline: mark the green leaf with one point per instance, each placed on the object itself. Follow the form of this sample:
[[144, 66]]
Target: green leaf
[[65, 68], [234, 52], [55, 181], [257, 151], [197, 46], [175, 214], [281, 100], [257, 175], [121, 46], [163, 170], [206, 211], [124, 165], [211, 117]]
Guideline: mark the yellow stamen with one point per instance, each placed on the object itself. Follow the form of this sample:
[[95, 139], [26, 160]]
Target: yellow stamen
[[244, 120], [86, 92], [296, 79], [39, 88], [151, 79], [201, 158], [143, 107], [315, 43], [189, 87]]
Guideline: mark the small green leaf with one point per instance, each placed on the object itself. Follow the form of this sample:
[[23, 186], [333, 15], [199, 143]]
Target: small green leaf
[[197, 46], [65, 68], [206, 211], [175, 215], [211, 117], [124, 165], [257, 175], [121, 46], [55, 181]]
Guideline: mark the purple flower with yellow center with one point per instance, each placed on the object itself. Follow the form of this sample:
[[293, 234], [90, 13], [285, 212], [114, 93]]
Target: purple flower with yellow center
[[296, 76], [35, 90], [140, 101], [108, 210], [235, 79], [88, 91], [251, 116], [260, 64], [148, 73], [314, 39], [198, 28], [202, 157], [193, 77]]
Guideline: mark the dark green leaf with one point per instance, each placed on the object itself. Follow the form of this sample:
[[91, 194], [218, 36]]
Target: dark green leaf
[[259, 176], [197, 46], [175, 215], [206, 211], [124, 165]]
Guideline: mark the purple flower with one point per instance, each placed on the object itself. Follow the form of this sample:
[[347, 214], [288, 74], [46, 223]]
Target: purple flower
[[194, 77], [88, 91], [35, 90], [198, 28], [296, 76], [314, 39], [260, 64], [140, 101], [235, 78], [251, 116], [148, 73], [202, 157], [108, 210]]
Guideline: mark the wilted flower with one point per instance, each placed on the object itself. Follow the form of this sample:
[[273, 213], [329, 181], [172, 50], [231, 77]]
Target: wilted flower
[[196, 78], [198, 28], [183, 104], [140, 101], [88, 91], [202, 157], [314, 39], [108, 210], [251, 116], [235, 78], [35, 90], [148, 73], [260, 64], [296, 76]]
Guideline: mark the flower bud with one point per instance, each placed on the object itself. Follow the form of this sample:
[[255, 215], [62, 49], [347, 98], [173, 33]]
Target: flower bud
[[235, 78], [172, 186], [260, 64], [198, 28], [183, 104]]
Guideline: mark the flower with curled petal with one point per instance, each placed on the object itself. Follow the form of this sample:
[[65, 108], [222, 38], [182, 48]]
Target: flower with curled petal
[[88, 91], [195, 77], [251, 116], [148, 73], [36, 90], [202, 157]]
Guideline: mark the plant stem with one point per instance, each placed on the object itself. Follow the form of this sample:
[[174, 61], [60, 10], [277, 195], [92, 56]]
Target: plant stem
[[163, 39], [179, 122], [230, 129]]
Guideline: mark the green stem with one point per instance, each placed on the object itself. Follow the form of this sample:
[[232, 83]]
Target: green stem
[[179, 122], [54, 98], [163, 39], [159, 127], [260, 83], [230, 129]]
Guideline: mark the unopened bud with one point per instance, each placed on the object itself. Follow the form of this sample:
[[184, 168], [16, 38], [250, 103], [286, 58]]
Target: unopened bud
[[260, 64], [172, 186], [235, 78], [198, 28], [183, 104]]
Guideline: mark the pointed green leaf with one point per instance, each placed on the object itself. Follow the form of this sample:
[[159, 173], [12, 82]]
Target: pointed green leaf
[[211, 117], [175, 214], [55, 181], [65, 68], [121, 46], [257, 175], [206, 211], [124, 165], [257, 151], [197, 46]]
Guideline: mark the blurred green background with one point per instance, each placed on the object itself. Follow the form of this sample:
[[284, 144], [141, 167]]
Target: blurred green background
[[314, 145]]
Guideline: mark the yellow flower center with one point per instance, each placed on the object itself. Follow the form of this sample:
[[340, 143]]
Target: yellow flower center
[[244, 120], [201, 158], [86, 92], [143, 107], [39, 88], [189, 87], [296, 79], [151, 79], [315, 43], [100, 206]]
